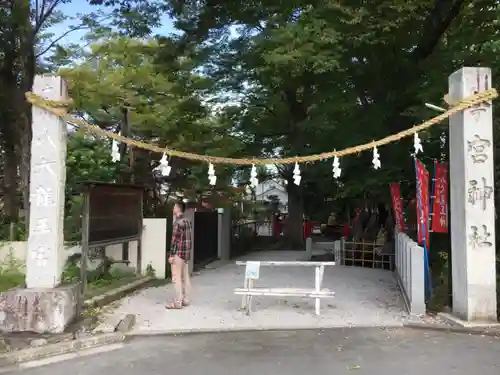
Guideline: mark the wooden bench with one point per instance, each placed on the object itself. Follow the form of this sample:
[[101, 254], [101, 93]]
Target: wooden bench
[[252, 273]]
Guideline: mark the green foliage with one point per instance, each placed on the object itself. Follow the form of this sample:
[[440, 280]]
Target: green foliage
[[150, 271], [290, 77], [97, 281], [12, 231], [11, 272], [120, 86], [88, 159], [102, 276], [317, 76], [71, 274]]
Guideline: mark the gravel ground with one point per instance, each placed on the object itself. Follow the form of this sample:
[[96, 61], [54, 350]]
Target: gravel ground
[[364, 297]]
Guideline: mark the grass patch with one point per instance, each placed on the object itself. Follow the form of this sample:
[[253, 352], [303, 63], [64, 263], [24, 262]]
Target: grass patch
[[156, 283], [11, 272], [100, 286], [9, 280], [12, 275]]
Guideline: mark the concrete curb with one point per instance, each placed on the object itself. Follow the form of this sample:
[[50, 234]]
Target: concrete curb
[[194, 331], [453, 329], [117, 293], [41, 352], [419, 326], [126, 324]]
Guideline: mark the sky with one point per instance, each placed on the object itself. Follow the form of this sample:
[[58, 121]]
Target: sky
[[81, 6]]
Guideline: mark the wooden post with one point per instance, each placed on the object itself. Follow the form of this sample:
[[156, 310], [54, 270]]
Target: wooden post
[[85, 240], [139, 269], [85, 249]]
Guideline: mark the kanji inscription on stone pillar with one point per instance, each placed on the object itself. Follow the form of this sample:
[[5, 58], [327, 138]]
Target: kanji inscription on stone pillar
[[472, 215], [47, 181]]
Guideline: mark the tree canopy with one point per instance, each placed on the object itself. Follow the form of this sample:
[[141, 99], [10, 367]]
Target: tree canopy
[[248, 78]]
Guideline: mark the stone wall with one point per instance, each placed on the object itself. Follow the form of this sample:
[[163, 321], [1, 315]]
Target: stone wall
[[153, 249], [410, 273]]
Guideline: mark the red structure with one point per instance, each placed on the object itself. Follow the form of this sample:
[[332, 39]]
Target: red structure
[[308, 226]]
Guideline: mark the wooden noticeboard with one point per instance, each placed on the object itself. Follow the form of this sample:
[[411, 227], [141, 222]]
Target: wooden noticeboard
[[115, 213]]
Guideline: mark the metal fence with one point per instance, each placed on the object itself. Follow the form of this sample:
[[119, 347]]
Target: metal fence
[[250, 236]]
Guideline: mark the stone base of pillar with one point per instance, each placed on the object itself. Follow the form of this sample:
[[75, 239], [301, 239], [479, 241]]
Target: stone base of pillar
[[38, 310], [456, 321]]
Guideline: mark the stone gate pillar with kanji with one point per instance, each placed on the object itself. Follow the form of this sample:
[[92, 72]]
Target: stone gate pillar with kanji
[[472, 205], [44, 305]]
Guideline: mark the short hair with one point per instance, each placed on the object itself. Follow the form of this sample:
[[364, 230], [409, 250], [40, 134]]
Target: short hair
[[181, 205]]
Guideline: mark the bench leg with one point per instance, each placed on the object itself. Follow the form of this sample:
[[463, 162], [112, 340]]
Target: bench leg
[[317, 287], [321, 274], [244, 299], [249, 297]]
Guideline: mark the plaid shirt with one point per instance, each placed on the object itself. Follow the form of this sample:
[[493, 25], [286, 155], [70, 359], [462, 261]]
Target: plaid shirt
[[181, 244]]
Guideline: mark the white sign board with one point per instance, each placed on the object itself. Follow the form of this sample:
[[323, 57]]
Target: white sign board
[[252, 270]]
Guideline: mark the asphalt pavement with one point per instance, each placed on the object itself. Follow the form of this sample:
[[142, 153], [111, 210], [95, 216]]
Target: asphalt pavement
[[374, 351]]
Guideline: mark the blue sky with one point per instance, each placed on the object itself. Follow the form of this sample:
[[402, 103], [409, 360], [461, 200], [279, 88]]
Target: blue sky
[[81, 6]]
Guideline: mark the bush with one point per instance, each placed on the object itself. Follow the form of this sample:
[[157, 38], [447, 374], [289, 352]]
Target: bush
[[11, 273], [15, 231]]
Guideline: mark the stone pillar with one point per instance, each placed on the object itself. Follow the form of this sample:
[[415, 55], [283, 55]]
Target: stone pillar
[[224, 234], [44, 306], [472, 203], [309, 248], [47, 182]]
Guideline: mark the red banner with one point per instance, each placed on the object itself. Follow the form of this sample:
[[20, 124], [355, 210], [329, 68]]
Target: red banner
[[440, 204], [397, 206], [422, 202]]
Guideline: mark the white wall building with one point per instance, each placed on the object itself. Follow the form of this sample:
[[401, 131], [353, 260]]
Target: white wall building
[[266, 189]]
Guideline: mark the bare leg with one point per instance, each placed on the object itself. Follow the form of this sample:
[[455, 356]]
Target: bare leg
[[177, 268], [186, 283]]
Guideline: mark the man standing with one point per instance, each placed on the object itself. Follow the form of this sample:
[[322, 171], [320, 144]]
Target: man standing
[[180, 254]]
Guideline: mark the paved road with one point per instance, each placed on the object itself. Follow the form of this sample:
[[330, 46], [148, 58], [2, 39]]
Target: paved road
[[371, 351]]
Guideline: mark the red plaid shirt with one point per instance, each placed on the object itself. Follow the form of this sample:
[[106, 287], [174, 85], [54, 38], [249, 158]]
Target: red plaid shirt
[[181, 244]]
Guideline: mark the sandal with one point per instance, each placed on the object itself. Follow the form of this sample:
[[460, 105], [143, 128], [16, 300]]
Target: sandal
[[186, 303], [173, 306]]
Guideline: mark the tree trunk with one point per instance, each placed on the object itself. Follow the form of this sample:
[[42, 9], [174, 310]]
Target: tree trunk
[[294, 232], [10, 201], [25, 117], [24, 169]]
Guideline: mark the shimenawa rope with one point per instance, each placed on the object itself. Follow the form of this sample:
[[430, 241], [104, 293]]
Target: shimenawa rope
[[59, 108]]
